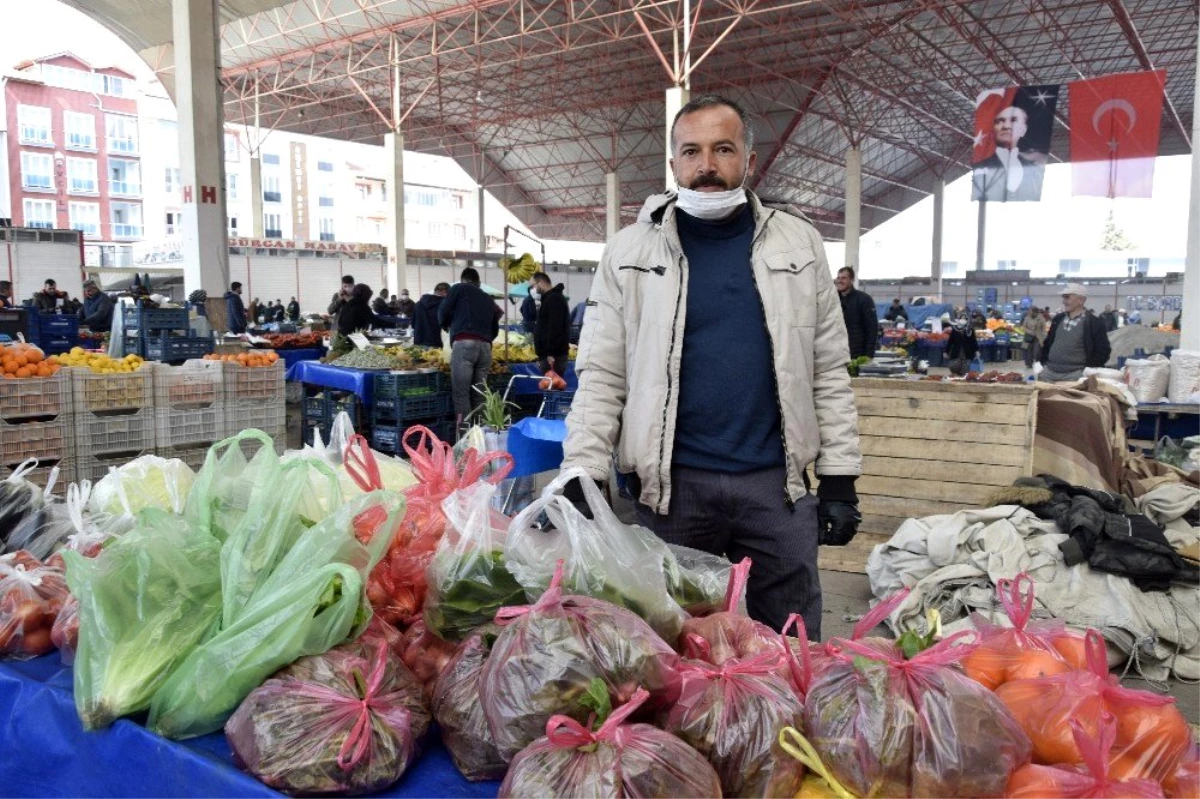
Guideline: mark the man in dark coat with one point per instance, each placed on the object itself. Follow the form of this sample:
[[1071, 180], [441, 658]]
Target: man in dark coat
[[293, 310], [235, 310], [552, 335], [97, 311], [896, 312], [529, 313], [1077, 339], [473, 321], [426, 330], [858, 309]]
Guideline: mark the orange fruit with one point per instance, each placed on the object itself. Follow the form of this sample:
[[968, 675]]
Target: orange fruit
[[23, 371], [1035, 663], [987, 667], [1071, 648]]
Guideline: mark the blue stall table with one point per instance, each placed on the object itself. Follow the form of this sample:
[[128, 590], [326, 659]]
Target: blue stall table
[[46, 752], [291, 357], [342, 378], [531, 386]]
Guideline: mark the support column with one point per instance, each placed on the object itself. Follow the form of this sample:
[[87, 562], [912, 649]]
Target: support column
[[482, 231], [612, 205], [256, 193], [853, 205], [1189, 325], [939, 188], [397, 256], [981, 236], [201, 143], [677, 98]]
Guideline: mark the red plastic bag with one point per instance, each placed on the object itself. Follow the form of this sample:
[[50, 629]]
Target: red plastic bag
[[889, 726], [548, 653], [728, 635], [424, 653], [1152, 735], [616, 761], [346, 722], [65, 632], [1027, 649], [732, 714], [822, 655], [1092, 780], [459, 711], [1185, 782], [31, 596]]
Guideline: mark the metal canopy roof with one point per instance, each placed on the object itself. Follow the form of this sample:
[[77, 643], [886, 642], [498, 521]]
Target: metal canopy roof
[[538, 99]]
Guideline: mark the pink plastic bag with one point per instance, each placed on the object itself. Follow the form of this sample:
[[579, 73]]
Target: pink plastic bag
[[1090, 780], [346, 722], [887, 726], [616, 761], [548, 653], [459, 711], [425, 654], [821, 655], [728, 635]]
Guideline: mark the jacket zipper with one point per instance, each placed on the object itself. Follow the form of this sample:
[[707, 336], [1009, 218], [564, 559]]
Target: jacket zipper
[[662, 439], [658, 270]]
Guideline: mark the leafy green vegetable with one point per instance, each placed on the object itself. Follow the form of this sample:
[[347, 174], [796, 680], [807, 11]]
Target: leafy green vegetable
[[597, 700], [466, 589]]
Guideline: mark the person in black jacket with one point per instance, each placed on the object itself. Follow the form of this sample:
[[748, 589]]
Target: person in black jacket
[[426, 330], [961, 347], [293, 310], [858, 309], [1077, 339], [896, 312], [529, 313], [473, 322], [380, 306], [235, 310], [552, 334], [356, 314]]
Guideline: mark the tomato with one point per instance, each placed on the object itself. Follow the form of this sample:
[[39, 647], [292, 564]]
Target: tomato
[[37, 642]]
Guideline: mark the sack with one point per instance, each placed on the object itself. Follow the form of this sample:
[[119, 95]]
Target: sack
[[732, 714], [548, 653], [1185, 376], [617, 760], [1152, 735], [468, 578], [889, 726], [19, 499], [345, 722], [1148, 379], [459, 712], [31, 596], [603, 558]]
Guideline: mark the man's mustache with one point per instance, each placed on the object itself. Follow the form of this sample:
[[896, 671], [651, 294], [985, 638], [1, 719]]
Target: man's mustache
[[709, 180]]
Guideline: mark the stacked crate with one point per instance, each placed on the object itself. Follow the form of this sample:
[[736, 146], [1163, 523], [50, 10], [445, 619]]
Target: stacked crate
[[114, 419], [321, 405], [405, 399], [189, 409], [163, 334], [53, 333], [254, 399], [36, 423]]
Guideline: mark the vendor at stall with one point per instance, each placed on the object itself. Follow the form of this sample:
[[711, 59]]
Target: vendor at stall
[[1077, 339], [97, 311], [356, 313]]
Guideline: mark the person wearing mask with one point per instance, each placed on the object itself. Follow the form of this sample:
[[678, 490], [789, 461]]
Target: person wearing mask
[[1036, 328], [552, 334], [356, 314], [97, 311], [49, 299], [6, 294], [1077, 339], [713, 363], [896, 312], [426, 330], [381, 307], [473, 322], [859, 314], [235, 310], [529, 313], [978, 320], [406, 306], [340, 299], [293, 310], [961, 347]]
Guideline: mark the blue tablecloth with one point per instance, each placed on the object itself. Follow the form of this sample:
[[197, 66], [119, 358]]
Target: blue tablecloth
[[917, 314], [360, 381], [291, 357], [45, 752], [531, 386]]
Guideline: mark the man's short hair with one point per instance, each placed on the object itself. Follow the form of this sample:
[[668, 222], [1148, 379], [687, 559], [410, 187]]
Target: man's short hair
[[441, 287], [541, 277], [712, 101], [896, 301], [383, 292], [50, 282], [848, 270], [5, 285], [90, 284], [234, 286], [347, 280], [470, 275]]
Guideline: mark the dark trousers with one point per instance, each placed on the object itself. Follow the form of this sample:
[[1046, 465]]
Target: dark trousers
[[744, 515]]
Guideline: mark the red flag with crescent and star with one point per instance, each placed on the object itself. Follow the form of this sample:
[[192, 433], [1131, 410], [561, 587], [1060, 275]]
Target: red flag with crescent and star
[[1115, 124]]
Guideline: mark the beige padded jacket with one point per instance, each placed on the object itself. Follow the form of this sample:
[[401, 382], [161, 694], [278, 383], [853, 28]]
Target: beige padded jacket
[[631, 347]]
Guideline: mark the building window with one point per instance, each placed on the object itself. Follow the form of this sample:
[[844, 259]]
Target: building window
[[364, 190], [172, 222], [37, 171], [233, 226], [271, 189], [273, 226], [85, 217], [1006, 265], [81, 131], [949, 268], [117, 87], [457, 199], [324, 166], [126, 220], [82, 176], [122, 133], [1138, 266], [124, 177], [326, 229], [270, 159], [1068, 266], [34, 124], [232, 147], [231, 186], [325, 202], [40, 213], [173, 179], [460, 232]]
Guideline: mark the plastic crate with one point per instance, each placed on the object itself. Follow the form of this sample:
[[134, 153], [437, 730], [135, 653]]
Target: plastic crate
[[195, 384], [45, 441], [314, 408], [387, 438], [42, 398], [57, 345], [556, 404], [176, 348], [417, 406], [256, 383], [191, 454], [40, 475], [115, 432], [178, 427], [94, 466], [148, 319], [408, 383], [270, 417], [100, 393], [58, 325]]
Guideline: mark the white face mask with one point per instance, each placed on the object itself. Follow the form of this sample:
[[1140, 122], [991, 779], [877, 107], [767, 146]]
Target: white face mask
[[710, 205], [535, 293]]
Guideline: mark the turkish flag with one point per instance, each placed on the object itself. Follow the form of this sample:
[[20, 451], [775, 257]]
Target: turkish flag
[[988, 106], [1115, 124]]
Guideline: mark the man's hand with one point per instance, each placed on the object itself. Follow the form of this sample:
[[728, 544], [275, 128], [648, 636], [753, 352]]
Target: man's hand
[[837, 522], [573, 491]]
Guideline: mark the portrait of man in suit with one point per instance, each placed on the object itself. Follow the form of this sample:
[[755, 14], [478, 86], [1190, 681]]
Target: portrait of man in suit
[[1010, 173]]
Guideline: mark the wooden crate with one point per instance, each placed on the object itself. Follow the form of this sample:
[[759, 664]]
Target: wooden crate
[[931, 448]]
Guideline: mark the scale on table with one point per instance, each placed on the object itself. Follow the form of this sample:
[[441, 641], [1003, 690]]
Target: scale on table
[[884, 365]]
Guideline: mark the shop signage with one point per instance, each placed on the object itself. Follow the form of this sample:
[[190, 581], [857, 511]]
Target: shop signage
[[299, 244], [1154, 302]]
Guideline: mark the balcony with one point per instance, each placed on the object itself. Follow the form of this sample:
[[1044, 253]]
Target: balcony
[[121, 231], [81, 141], [126, 146], [37, 224], [327, 237], [272, 197], [83, 186], [37, 182], [124, 188], [38, 137], [273, 234]]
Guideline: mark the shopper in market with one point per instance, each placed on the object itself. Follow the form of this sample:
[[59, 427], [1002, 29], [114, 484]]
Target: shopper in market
[[235, 310], [97, 311], [714, 362], [340, 299], [381, 306], [6, 294], [1109, 317], [293, 310], [961, 347], [1077, 339], [896, 312], [49, 299], [529, 312], [427, 332], [1036, 327], [406, 305], [356, 315], [552, 334], [858, 314], [473, 321]]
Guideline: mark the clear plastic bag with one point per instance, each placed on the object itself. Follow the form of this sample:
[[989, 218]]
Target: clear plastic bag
[[459, 711], [617, 760], [468, 579], [604, 558], [698, 581], [31, 596], [345, 722], [732, 714], [19, 499], [65, 632], [548, 653], [221, 493], [145, 482]]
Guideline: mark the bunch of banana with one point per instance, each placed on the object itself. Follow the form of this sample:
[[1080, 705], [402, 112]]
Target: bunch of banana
[[519, 270]]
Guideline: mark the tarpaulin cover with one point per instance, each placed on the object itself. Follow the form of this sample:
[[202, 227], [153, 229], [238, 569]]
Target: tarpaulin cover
[[536, 445], [342, 378], [45, 751], [917, 314]]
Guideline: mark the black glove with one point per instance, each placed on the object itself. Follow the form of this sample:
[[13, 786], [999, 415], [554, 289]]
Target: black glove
[[837, 522], [573, 491]]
